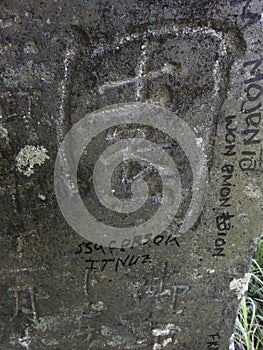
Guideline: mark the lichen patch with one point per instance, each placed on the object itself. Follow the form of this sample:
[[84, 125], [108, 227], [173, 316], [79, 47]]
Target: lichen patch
[[29, 157], [167, 330], [99, 306], [240, 285], [253, 191], [3, 131]]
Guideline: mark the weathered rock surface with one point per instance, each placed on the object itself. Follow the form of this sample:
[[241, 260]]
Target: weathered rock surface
[[61, 61]]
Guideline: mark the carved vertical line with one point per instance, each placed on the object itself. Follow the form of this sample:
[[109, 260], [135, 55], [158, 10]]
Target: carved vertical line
[[33, 305], [86, 282]]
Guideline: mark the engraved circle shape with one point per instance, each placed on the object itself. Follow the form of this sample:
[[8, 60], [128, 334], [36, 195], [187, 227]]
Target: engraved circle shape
[[78, 138]]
